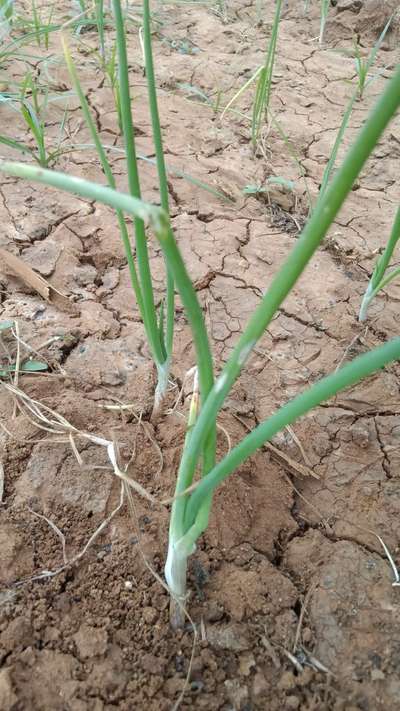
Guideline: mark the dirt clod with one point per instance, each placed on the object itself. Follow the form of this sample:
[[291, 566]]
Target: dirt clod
[[90, 642]]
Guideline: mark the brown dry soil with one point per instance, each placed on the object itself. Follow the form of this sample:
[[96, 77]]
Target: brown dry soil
[[290, 587]]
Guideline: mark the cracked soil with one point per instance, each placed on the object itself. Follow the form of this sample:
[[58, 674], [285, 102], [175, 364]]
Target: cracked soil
[[291, 588]]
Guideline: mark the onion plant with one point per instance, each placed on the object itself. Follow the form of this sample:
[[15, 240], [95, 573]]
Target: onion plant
[[158, 326], [10, 48], [378, 279], [41, 27], [192, 501], [363, 81], [99, 12], [159, 330], [263, 74], [363, 66], [323, 18], [264, 82], [109, 66]]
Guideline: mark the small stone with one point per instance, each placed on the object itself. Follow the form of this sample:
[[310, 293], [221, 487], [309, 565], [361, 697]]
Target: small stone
[[237, 694], [77, 705], [150, 615], [85, 274], [307, 635], [246, 663], [287, 681], [260, 686], [377, 675], [16, 556], [306, 677], [361, 436], [285, 625], [113, 377], [214, 612], [292, 702], [173, 686], [230, 636], [51, 634], [43, 256], [90, 494], [111, 279], [90, 641], [7, 694], [197, 686], [128, 585], [160, 601], [243, 554], [197, 667], [393, 689], [352, 5], [17, 633], [27, 657], [152, 664], [209, 660]]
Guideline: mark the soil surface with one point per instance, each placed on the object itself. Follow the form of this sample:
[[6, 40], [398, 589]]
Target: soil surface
[[291, 589]]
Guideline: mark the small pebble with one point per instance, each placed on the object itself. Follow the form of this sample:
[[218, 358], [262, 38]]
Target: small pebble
[[149, 615], [292, 702], [287, 681], [213, 612], [306, 677], [260, 686], [128, 585], [246, 663]]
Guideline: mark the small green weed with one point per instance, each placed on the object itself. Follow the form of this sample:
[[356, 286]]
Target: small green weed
[[32, 104], [364, 65], [264, 82], [11, 363], [378, 279]]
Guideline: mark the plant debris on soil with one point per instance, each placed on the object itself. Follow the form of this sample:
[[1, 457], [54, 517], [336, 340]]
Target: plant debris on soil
[[291, 591]]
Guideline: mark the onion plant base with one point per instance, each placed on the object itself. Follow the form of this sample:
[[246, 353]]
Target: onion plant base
[[367, 298], [176, 576], [163, 373]]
